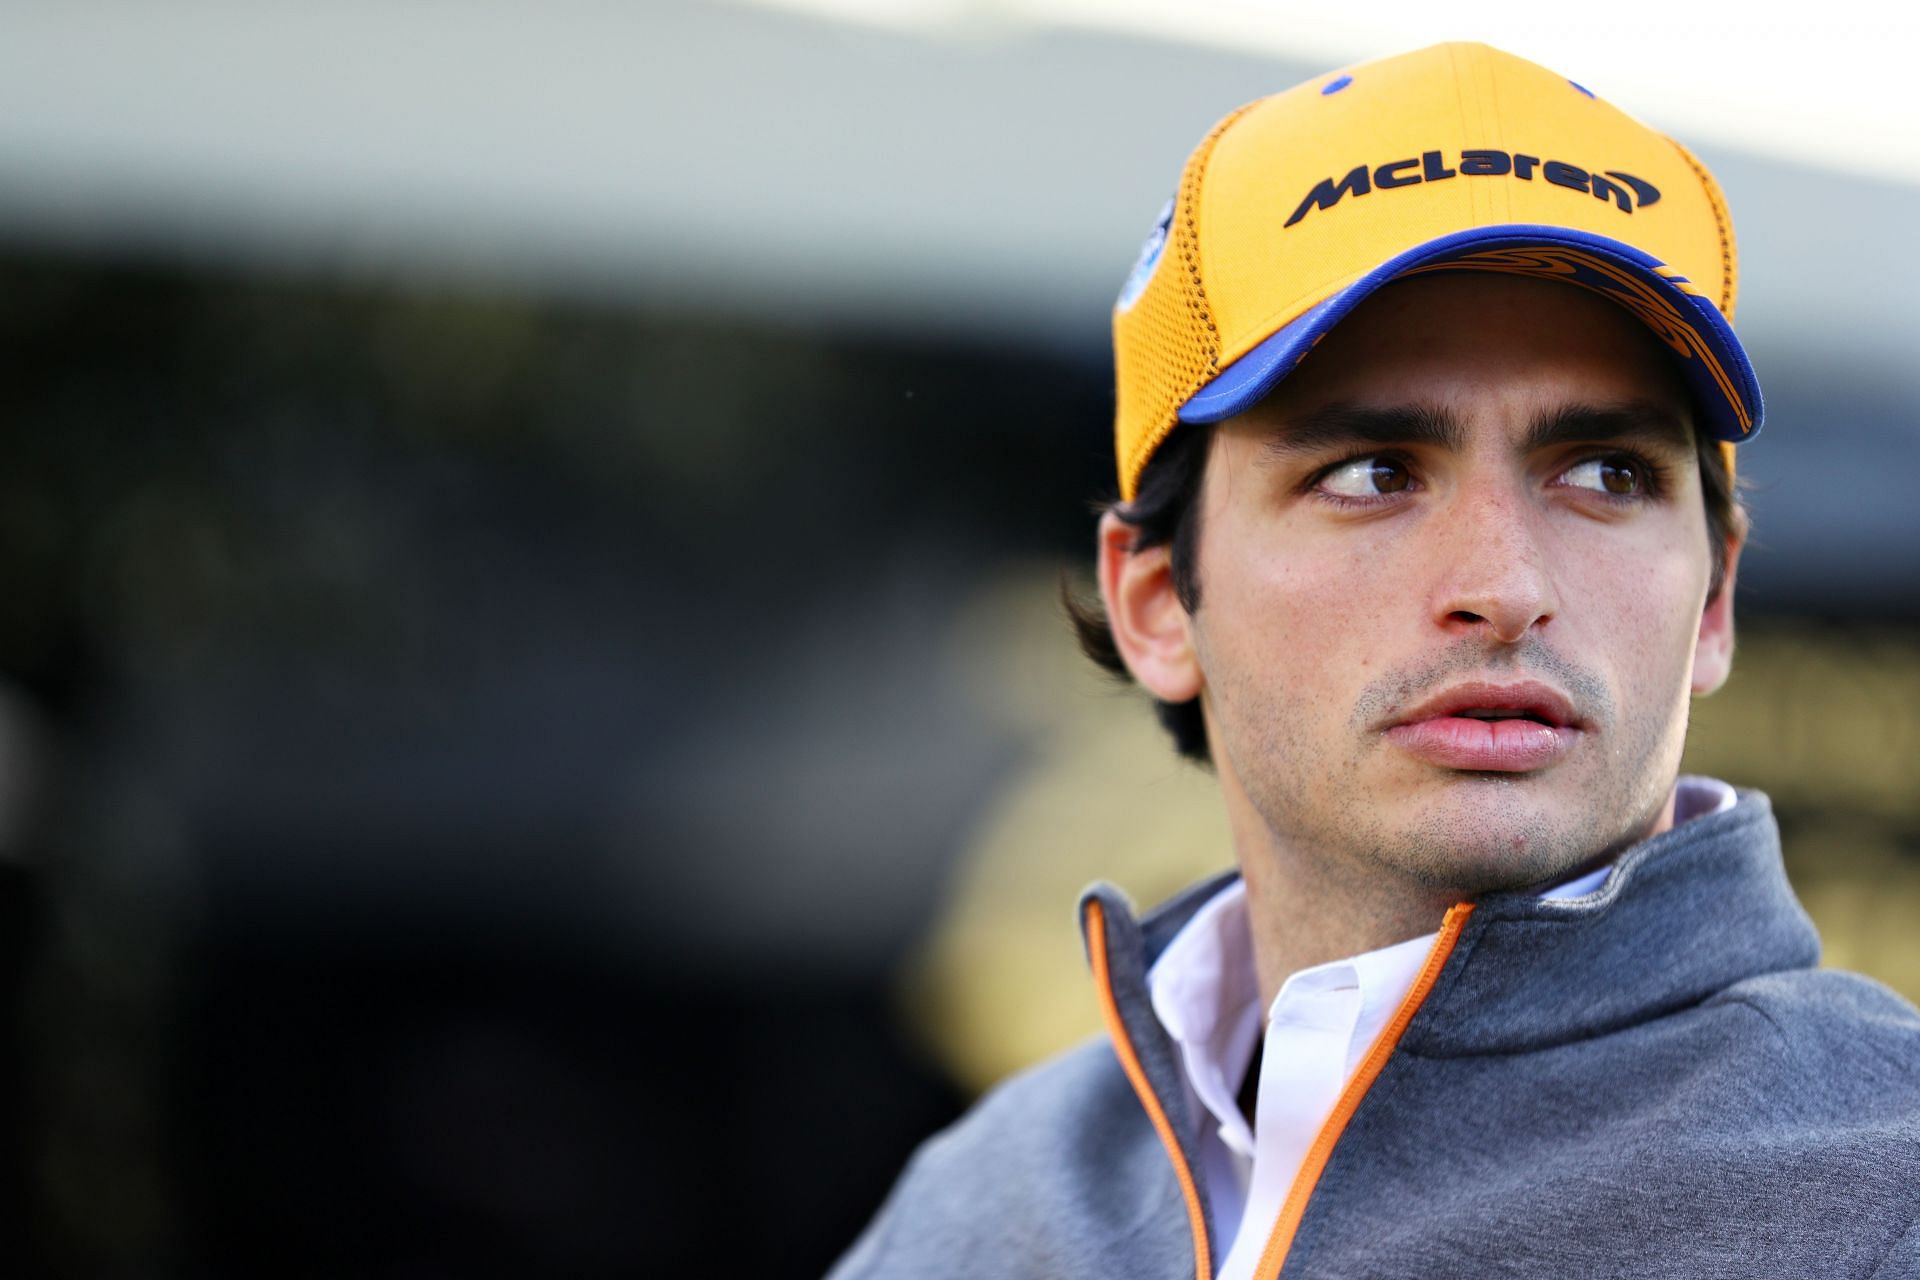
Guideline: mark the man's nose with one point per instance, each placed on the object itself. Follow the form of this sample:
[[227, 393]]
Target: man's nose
[[1492, 566]]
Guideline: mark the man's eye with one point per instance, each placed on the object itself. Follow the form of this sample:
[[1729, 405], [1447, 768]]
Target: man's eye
[[1622, 477], [1366, 478]]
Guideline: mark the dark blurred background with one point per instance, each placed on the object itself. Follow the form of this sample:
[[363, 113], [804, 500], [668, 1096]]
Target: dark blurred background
[[534, 738]]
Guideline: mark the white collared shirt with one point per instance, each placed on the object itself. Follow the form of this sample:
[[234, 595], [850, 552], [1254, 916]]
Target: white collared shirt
[[1206, 993]]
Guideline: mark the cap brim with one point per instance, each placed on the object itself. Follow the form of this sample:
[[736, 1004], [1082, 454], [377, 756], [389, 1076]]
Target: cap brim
[[1691, 326]]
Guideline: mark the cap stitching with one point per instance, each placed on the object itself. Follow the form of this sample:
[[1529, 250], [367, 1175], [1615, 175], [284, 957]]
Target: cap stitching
[[1722, 222], [1462, 79]]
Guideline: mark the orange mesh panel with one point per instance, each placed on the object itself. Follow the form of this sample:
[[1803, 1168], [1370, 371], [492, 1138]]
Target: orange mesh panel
[[1165, 347]]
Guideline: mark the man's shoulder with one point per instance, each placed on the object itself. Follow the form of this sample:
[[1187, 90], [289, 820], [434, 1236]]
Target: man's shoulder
[[1854, 1042], [1026, 1133], [1080, 1090], [1059, 1159], [1833, 1011]]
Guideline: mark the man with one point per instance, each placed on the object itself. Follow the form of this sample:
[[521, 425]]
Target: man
[[1427, 401]]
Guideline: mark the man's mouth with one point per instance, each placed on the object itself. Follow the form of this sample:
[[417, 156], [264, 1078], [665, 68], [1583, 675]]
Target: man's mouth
[[1490, 727], [1502, 713]]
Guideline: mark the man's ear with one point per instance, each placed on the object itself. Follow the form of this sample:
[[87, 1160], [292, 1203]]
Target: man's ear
[[1151, 628], [1713, 650]]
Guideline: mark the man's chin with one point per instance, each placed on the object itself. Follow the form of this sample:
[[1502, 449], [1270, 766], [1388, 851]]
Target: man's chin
[[1485, 833]]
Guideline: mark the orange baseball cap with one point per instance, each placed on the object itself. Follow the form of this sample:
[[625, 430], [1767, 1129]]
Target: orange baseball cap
[[1295, 208]]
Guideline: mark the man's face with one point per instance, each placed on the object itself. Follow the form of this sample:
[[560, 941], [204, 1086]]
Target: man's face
[[1452, 577]]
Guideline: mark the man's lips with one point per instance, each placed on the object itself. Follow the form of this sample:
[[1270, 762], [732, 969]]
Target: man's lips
[[1490, 727]]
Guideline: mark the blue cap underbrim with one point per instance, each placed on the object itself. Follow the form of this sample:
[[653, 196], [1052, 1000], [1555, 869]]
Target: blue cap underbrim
[[1690, 326]]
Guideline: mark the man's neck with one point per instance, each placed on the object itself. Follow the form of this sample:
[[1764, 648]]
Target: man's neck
[[1302, 914]]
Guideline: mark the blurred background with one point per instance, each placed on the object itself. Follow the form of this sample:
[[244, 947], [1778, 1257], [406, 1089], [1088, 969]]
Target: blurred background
[[534, 729]]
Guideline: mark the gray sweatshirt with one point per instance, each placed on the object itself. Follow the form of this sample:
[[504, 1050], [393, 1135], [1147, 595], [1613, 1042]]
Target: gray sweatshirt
[[1649, 1081]]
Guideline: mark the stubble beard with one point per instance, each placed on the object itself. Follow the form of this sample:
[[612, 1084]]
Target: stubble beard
[[1456, 835]]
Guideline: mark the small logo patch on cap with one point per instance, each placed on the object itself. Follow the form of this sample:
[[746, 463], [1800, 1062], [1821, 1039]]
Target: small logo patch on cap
[[1149, 258]]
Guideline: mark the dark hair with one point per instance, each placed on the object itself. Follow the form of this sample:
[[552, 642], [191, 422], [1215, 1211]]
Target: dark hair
[[1165, 512]]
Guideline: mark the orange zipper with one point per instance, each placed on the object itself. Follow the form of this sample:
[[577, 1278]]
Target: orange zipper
[[1288, 1223], [1137, 1076]]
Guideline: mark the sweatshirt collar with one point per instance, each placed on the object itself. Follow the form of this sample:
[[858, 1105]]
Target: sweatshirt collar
[[1205, 988], [1672, 921], [1680, 918]]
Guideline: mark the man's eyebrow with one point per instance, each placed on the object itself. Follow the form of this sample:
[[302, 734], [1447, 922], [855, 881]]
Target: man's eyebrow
[[1345, 425], [1634, 419], [1341, 426]]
